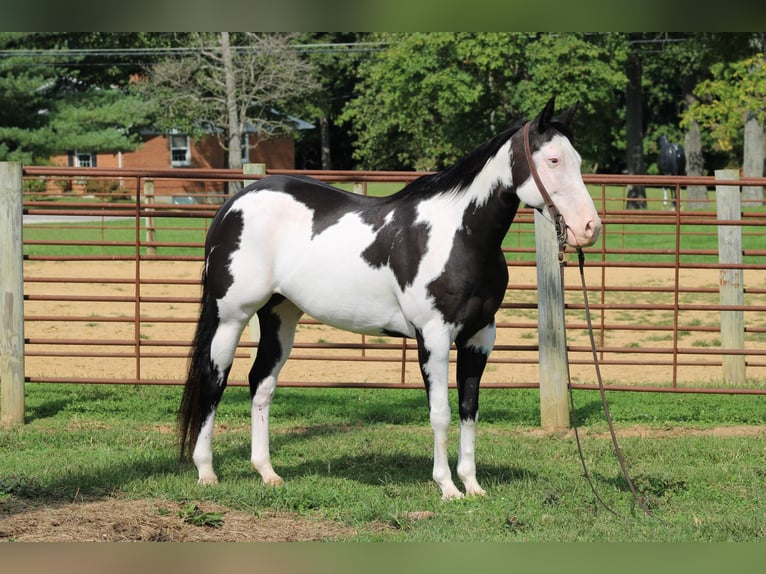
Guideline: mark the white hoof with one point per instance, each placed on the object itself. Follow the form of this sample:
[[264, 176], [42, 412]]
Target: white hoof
[[274, 481], [451, 493], [270, 478], [208, 480]]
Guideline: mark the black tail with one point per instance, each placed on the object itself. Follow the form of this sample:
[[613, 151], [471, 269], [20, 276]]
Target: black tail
[[191, 413]]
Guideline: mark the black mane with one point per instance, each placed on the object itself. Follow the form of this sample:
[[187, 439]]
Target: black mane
[[463, 171]]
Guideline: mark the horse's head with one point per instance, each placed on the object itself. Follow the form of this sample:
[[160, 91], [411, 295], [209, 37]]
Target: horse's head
[[558, 166]]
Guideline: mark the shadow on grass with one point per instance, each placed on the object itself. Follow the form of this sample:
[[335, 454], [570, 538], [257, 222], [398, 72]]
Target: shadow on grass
[[46, 410], [368, 465], [386, 471], [104, 468]]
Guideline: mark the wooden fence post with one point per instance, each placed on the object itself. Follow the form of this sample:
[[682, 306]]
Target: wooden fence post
[[728, 205], [254, 326], [11, 295], [551, 335]]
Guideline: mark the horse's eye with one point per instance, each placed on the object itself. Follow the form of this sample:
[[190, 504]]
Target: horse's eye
[[554, 160]]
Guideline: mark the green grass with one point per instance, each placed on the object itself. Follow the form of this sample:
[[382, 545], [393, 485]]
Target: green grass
[[116, 237], [363, 458]]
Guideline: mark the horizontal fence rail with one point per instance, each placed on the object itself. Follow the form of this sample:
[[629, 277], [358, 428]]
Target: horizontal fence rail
[[111, 288]]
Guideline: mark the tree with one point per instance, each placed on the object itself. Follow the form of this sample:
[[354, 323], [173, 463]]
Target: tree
[[25, 88], [731, 105], [589, 69], [228, 83], [336, 57], [48, 105], [430, 97]]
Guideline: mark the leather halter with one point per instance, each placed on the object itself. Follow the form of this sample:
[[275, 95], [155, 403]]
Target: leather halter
[[558, 219]]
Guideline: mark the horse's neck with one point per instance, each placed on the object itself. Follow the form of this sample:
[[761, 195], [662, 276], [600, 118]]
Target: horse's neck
[[485, 209]]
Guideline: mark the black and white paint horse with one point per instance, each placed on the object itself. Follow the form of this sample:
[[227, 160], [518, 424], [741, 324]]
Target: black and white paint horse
[[671, 160], [425, 263]]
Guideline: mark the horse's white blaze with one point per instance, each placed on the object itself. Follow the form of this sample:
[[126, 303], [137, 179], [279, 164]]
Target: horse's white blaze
[[558, 165]]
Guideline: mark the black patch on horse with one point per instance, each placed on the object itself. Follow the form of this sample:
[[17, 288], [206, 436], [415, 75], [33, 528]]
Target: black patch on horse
[[400, 245], [475, 277], [223, 240]]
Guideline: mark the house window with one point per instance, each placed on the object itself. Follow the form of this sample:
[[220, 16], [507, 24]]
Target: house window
[[180, 151], [80, 159]]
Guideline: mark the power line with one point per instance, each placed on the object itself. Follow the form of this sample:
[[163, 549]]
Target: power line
[[75, 53]]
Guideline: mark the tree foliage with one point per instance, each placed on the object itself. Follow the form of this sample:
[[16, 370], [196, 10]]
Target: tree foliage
[[723, 100], [430, 97], [420, 102], [585, 69], [266, 76], [412, 101], [50, 105]]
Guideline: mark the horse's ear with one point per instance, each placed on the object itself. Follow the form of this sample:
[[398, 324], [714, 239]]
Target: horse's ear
[[544, 119], [566, 116]]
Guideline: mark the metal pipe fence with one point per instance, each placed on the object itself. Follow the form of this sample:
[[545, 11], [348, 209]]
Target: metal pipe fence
[[111, 290]]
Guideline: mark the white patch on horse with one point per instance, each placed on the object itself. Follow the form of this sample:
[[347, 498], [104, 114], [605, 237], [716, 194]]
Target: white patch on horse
[[324, 274]]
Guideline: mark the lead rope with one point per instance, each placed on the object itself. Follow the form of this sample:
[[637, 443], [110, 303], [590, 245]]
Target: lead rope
[[572, 417], [561, 234], [617, 450]]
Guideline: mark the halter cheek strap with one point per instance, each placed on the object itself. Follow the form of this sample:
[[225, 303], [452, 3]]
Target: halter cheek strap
[[558, 219]]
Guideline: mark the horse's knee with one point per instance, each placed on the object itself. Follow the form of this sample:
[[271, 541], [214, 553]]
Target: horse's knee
[[263, 392]]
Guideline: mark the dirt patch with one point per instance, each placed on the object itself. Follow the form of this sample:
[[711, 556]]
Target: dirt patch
[[155, 521]]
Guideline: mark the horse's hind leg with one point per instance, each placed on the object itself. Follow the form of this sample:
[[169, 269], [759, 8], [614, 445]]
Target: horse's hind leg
[[222, 349], [278, 320], [472, 357]]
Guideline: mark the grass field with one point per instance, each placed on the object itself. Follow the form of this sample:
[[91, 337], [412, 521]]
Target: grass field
[[362, 458]]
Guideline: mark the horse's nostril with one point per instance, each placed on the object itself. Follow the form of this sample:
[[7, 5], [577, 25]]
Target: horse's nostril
[[592, 228]]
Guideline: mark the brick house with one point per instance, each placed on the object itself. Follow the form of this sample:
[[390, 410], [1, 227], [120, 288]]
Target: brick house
[[179, 151]]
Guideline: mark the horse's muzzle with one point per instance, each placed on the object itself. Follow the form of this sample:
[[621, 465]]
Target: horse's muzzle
[[585, 236]]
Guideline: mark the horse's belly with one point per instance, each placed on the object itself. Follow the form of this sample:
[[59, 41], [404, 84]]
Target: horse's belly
[[354, 299], [324, 272]]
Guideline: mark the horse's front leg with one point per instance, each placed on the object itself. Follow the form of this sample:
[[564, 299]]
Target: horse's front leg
[[433, 355], [472, 357]]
